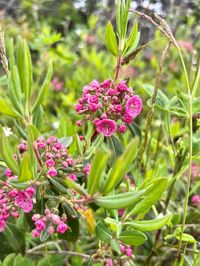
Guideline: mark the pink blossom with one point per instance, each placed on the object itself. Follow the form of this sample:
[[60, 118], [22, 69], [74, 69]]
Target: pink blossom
[[58, 145], [121, 212], [40, 225], [36, 217], [52, 172], [51, 230], [49, 155], [41, 145], [2, 225], [30, 191], [73, 177], [196, 199], [51, 139], [61, 228], [35, 233], [127, 119], [79, 123], [122, 128], [109, 262], [86, 168], [122, 86], [50, 163], [134, 106], [70, 161], [65, 164], [8, 172], [55, 219], [106, 127], [24, 201], [129, 252], [22, 147], [81, 138], [122, 248]]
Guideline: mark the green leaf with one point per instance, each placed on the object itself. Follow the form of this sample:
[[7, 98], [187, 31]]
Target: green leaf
[[5, 109], [150, 225], [66, 141], [111, 41], [133, 237], [58, 184], [131, 39], [16, 102], [119, 201], [103, 232], [25, 173], [121, 167], [96, 172], [44, 89], [118, 18], [73, 233], [14, 237], [54, 260], [115, 246], [115, 146], [24, 65], [134, 46], [19, 260], [155, 191], [124, 16], [9, 260], [7, 154], [72, 184]]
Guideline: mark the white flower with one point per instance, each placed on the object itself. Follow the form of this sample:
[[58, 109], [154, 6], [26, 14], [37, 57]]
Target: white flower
[[7, 131]]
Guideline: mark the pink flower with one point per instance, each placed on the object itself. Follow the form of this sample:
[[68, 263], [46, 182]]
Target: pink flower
[[22, 147], [50, 163], [2, 225], [40, 225], [127, 119], [61, 228], [129, 252], [8, 172], [24, 201], [65, 164], [55, 219], [122, 86], [52, 172], [81, 138], [70, 161], [121, 212], [134, 106], [51, 139], [196, 199], [41, 145], [106, 127], [122, 248], [109, 262], [122, 128], [86, 168], [58, 145], [36, 217], [73, 177], [30, 191], [51, 230], [79, 123], [35, 233]]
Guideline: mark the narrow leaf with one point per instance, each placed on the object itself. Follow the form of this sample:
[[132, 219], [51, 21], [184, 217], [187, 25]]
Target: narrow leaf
[[111, 41], [44, 89]]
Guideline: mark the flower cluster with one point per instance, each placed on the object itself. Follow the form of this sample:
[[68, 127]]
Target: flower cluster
[[53, 155], [127, 250], [11, 200], [109, 107], [50, 221]]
